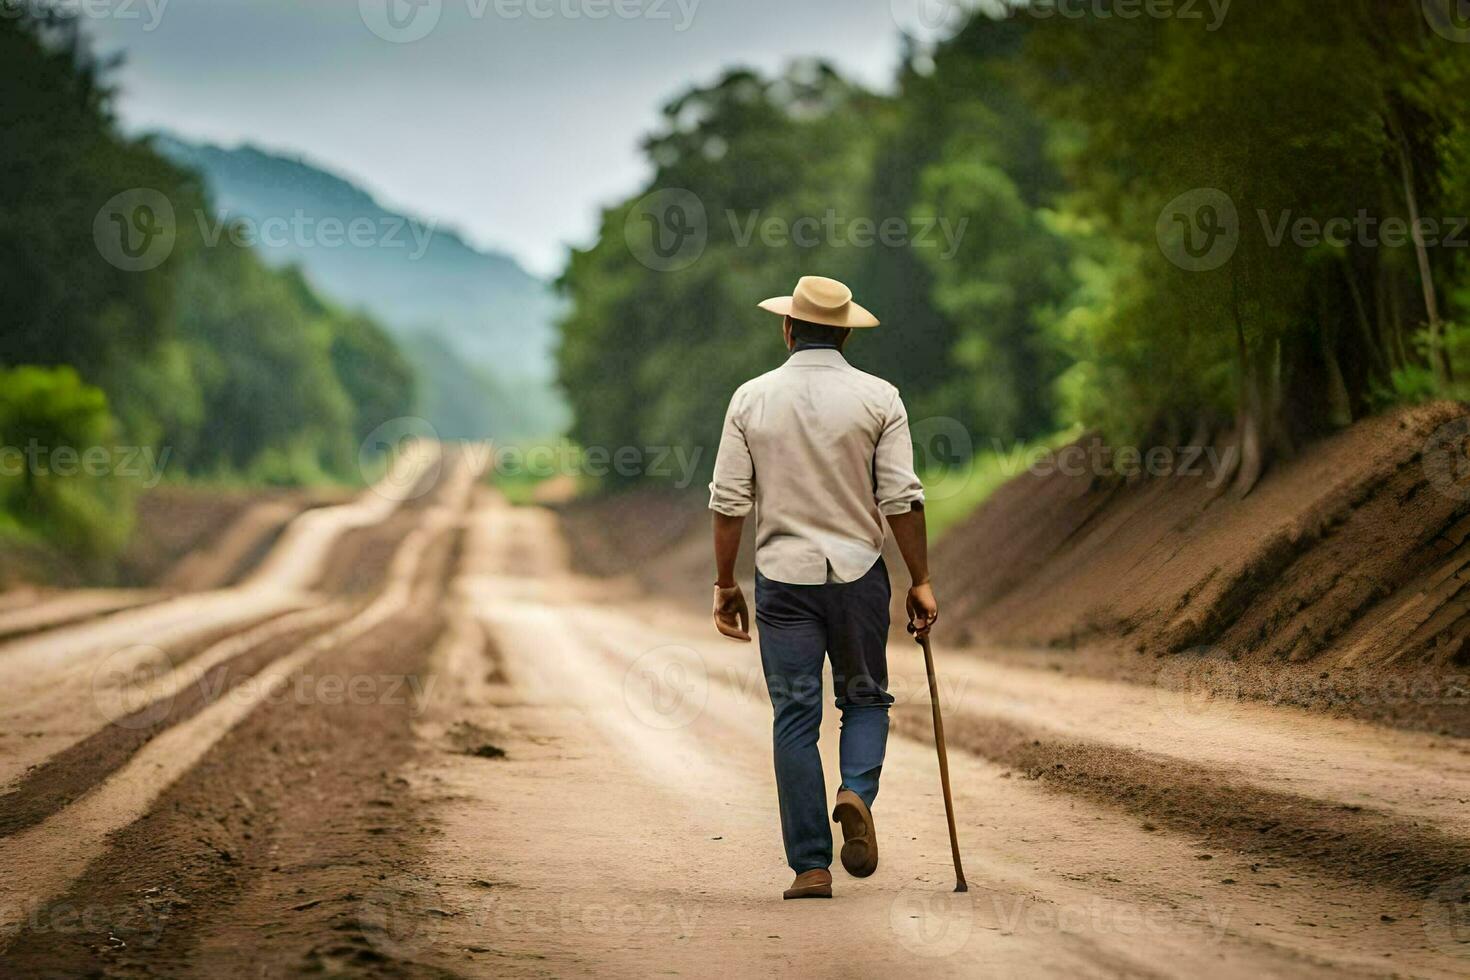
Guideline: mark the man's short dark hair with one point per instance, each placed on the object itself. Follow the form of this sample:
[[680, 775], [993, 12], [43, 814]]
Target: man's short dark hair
[[806, 332]]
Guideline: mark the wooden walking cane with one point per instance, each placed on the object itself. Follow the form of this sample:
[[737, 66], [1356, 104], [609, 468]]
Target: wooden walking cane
[[954, 839]]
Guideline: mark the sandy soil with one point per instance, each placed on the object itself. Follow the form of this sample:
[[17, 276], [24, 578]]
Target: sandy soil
[[630, 829], [1349, 556], [465, 759], [1338, 584]]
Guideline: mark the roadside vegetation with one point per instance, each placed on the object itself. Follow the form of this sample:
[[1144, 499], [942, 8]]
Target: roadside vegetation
[[211, 366], [1159, 230]]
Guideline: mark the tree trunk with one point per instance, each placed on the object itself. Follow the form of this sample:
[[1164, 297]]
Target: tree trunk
[[1248, 409], [1378, 366], [1438, 358], [1396, 317], [1278, 444], [1339, 403], [1385, 323]]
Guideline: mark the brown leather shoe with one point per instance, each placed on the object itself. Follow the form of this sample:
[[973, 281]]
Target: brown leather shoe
[[816, 883], [859, 835]]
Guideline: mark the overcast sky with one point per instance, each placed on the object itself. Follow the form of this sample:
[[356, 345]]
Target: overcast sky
[[513, 120]]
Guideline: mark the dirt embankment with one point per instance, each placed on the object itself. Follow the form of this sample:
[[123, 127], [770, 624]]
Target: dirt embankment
[[657, 539], [184, 538], [1339, 581], [199, 537], [1345, 568], [1351, 555]]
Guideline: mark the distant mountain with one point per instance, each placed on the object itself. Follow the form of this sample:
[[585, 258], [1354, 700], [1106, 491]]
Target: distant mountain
[[478, 326]]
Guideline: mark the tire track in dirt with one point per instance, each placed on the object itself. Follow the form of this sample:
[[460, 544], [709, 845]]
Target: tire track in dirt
[[678, 864], [1172, 714], [87, 700], [1334, 760], [50, 786], [52, 678], [53, 852], [239, 549], [1220, 809], [70, 608], [279, 839]]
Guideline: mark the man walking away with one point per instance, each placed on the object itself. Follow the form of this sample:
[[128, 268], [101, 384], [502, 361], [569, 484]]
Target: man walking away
[[822, 452]]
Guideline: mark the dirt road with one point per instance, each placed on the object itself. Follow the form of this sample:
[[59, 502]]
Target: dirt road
[[411, 743]]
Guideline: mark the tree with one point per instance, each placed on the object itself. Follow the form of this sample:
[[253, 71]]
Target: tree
[[51, 426]]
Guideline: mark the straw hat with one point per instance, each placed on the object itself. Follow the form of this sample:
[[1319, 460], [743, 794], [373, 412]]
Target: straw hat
[[821, 300]]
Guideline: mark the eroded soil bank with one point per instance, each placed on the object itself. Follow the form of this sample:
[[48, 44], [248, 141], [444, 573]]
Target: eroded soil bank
[[1339, 582]]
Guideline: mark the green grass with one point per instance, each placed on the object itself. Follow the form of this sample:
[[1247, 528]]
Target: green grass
[[519, 489], [519, 468], [952, 493]]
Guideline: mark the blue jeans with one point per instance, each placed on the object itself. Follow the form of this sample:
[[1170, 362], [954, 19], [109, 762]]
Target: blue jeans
[[799, 626]]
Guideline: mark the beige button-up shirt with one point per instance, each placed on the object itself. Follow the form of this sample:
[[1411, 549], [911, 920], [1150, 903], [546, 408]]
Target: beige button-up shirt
[[821, 450]]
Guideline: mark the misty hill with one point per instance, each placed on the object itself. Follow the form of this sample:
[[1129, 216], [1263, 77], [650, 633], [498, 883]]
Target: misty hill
[[478, 327]]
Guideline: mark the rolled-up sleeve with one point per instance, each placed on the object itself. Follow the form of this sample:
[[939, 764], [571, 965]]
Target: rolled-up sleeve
[[896, 485], [732, 491]]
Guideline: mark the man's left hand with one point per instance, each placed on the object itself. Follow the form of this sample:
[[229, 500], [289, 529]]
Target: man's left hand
[[923, 609], [732, 615]]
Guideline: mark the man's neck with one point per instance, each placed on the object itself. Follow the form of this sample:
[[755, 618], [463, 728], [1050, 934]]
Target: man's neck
[[814, 346]]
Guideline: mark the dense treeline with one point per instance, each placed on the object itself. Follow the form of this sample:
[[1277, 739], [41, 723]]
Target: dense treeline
[[1167, 229], [210, 364]]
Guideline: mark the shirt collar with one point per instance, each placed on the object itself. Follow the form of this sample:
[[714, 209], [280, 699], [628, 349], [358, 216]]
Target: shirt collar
[[817, 357]]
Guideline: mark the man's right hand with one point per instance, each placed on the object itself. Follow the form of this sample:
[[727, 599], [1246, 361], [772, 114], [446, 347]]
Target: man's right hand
[[732, 615], [923, 609]]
